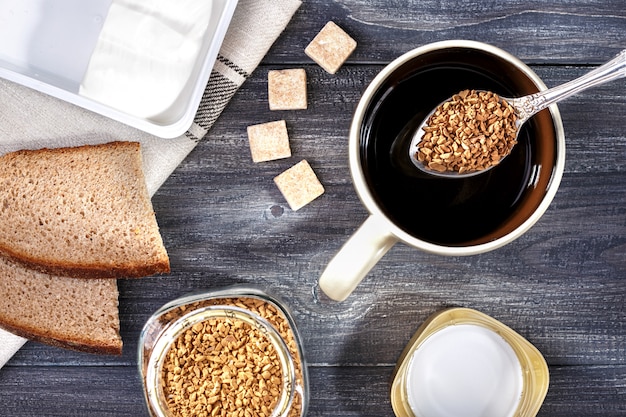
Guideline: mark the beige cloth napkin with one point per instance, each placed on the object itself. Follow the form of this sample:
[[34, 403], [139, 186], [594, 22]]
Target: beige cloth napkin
[[29, 119]]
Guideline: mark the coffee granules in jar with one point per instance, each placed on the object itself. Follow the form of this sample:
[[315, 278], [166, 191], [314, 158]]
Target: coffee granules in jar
[[471, 132], [223, 366]]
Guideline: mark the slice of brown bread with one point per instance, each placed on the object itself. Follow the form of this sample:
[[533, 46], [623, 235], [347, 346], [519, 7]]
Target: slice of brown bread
[[80, 212], [73, 313]]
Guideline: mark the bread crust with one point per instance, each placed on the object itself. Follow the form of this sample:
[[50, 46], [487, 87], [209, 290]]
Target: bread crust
[[94, 271], [80, 345]]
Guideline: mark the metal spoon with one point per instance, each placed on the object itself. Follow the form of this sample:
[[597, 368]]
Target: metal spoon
[[528, 106]]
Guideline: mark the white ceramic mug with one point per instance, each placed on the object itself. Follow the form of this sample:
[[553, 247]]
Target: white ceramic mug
[[384, 181]]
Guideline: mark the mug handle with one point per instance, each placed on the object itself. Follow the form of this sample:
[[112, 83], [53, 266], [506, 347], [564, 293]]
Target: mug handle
[[356, 258]]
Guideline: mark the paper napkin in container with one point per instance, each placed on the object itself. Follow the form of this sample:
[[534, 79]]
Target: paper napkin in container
[[29, 119]]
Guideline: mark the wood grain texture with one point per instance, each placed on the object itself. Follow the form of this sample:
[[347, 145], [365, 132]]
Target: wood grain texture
[[72, 391], [537, 31], [562, 285]]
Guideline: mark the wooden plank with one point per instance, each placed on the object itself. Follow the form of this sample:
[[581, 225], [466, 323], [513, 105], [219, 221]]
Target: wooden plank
[[335, 391], [564, 32]]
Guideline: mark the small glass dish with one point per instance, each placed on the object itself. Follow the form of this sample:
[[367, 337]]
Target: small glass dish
[[197, 326], [461, 360]]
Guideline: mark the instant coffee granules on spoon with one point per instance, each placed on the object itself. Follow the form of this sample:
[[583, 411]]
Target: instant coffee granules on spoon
[[470, 132]]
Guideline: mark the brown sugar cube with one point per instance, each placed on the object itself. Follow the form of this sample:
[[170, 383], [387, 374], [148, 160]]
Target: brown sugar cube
[[286, 89], [299, 185], [269, 141], [331, 47]]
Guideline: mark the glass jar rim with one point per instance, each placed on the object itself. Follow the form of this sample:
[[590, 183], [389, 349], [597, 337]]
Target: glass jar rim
[[169, 335]]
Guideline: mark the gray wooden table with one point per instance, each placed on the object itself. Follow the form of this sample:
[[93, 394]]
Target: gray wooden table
[[562, 285]]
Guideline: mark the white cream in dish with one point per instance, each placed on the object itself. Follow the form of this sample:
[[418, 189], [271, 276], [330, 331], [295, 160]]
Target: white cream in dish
[[145, 54], [464, 370]]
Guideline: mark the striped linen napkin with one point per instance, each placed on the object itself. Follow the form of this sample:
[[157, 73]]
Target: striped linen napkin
[[29, 119]]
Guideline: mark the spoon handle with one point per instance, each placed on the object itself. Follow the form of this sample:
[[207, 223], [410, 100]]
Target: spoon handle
[[530, 105]]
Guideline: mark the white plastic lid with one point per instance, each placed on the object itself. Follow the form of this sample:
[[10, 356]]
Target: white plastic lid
[[464, 370]]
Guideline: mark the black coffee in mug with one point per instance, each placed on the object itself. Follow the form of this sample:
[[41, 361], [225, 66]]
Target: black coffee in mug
[[448, 211], [450, 217]]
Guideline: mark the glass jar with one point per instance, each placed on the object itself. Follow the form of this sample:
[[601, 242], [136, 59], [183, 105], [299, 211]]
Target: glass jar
[[463, 362], [234, 349]]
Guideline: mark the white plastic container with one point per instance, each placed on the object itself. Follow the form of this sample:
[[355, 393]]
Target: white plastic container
[[47, 45]]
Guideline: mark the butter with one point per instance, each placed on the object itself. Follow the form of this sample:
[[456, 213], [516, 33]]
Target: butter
[[145, 55]]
